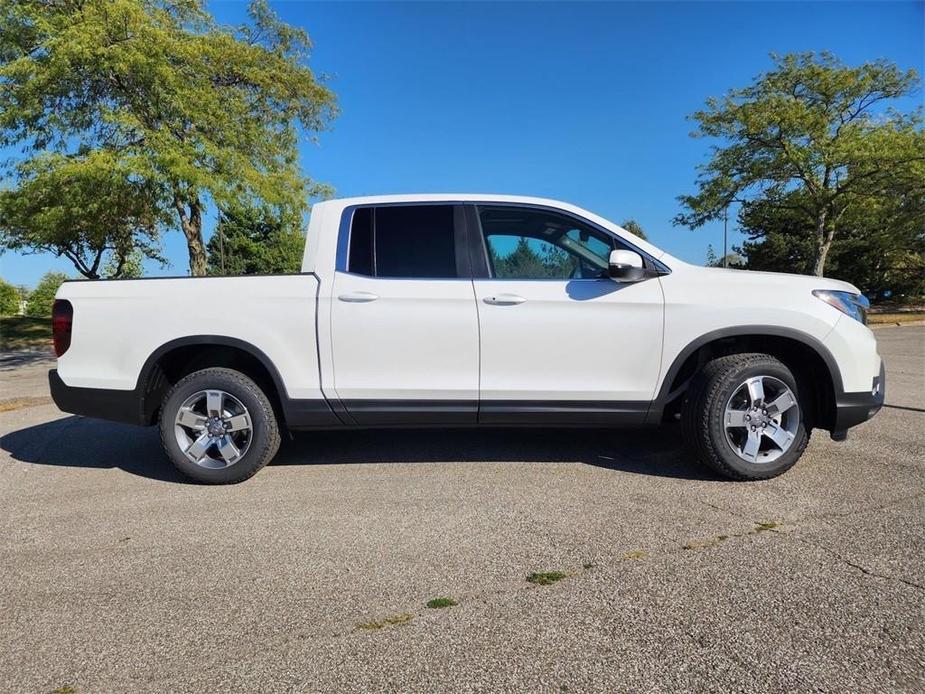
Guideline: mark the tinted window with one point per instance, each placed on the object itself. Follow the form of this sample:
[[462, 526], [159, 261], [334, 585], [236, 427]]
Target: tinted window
[[524, 243], [415, 241], [361, 242], [403, 241]]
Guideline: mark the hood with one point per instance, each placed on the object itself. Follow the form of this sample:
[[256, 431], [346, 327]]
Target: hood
[[721, 275]]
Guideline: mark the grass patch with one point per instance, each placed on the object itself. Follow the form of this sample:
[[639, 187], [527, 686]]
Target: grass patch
[[440, 603], [24, 332], [394, 620], [713, 541], [545, 578]]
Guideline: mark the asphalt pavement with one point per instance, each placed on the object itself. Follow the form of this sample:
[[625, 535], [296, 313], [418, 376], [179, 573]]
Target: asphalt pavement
[[118, 576]]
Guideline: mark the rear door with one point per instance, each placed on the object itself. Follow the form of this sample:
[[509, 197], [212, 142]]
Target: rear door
[[404, 323], [560, 341]]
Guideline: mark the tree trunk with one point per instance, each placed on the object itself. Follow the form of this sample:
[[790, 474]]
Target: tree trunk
[[823, 243], [191, 223]]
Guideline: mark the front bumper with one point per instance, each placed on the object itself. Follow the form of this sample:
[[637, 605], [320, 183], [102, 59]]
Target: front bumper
[[115, 405], [852, 409]]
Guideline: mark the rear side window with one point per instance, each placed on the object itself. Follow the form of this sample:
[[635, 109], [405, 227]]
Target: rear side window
[[403, 241], [361, 242]]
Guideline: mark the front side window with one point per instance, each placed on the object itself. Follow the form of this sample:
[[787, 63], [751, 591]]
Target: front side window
[[403, 241], [525, 243]]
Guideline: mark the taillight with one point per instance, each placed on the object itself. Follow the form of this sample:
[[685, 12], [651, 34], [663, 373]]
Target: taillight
[[62, 318]]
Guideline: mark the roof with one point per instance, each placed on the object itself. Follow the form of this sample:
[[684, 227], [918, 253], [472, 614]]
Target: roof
[[447, 197]]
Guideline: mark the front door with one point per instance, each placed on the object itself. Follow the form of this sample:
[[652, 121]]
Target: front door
[[560, 341], [404, 323]]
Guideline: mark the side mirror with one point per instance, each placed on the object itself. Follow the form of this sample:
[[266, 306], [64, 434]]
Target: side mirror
[[626, 266]]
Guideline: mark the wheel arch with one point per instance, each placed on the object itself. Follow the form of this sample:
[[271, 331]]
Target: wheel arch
[[811, 362], [177, 358]]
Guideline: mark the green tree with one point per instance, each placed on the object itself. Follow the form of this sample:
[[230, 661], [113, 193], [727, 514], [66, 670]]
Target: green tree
[[84, 208], [633, 227], [42, 297], [130, 266], [538, 260], [9, 299], [813, 125], [881, 248], [205, 113], [256, 240]]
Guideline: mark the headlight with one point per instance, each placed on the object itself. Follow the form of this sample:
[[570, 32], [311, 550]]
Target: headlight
[[854, 305]]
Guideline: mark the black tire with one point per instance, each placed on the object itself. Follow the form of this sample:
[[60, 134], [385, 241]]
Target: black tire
[[264, 436], [703, 412]]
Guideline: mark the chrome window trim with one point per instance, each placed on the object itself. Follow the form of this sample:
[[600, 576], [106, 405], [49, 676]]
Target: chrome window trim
[[406, 279]]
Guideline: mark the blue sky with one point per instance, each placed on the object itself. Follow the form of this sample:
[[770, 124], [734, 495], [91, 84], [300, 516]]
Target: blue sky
[[581, 102]]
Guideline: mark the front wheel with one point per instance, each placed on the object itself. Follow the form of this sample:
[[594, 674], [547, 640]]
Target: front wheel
[[218, 427], [744, 418]]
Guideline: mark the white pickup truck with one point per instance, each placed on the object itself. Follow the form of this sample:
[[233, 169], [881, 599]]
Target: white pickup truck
[[470, 310]]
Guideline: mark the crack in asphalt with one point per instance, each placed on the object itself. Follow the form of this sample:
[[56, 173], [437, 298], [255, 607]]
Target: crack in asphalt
[[863, 569], [828, 550]]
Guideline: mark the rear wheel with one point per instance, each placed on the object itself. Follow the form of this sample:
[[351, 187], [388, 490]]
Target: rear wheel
[[218, 427], [743, 417]]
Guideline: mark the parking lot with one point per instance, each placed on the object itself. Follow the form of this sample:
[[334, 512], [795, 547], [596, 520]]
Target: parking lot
[[118, 576]]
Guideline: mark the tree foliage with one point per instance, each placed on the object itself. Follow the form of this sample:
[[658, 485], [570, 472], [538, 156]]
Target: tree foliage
[[42, 298], [256, 240], [202, 112], [634, 227], [809, 140], [83, 207], [9, 299], [537, 261], [881, 248], [130, 266]]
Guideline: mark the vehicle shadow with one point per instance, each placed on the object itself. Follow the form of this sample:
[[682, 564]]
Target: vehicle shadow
[[10, 361], [91, 443], [656, 452]]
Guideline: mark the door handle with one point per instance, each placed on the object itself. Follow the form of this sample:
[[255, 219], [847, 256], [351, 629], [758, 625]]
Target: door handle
[[504, 300], [358, 297]]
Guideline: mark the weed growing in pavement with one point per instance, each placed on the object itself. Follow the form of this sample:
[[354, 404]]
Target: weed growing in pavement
[[713, 541], [545, 578]]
